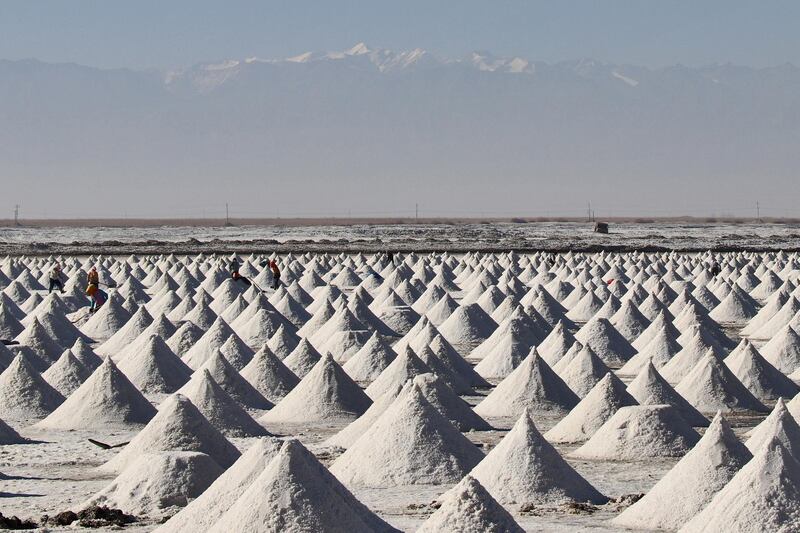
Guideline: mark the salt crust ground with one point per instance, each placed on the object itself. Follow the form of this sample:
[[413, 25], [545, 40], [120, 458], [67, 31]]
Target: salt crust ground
[[59, 473]]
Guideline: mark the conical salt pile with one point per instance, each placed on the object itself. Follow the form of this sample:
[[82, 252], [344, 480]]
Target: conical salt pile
[[405, 366], [758, 375], [469, 508], [207, 345], [325, 394], [780, 425], [215, 501], [234, 384], [82, 350], [155, 368], [763, 496], [524, 468], [592, 412], [583, 372], [372, 359], [156, 483], [219, 408], [606, 341], [692, 483], [783, 350], [467, 327], [66, 374], [236, 352], [8, 435], [269, 375], [639, 432], [735, 308], [350, 433], [43, 345], [10, 327], [447, 402], [178, 426], [106, 398], [661, 348], [532, 385], [684, 361], [302, 359], [556, 344], [711, 387], [109, 319], [296, 493], [411, 443], [506, 355], [649, 388], [24, 394], [127, 333], [283, 342]]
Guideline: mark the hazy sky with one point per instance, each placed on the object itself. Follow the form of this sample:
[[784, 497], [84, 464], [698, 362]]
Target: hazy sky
[[164, 34]]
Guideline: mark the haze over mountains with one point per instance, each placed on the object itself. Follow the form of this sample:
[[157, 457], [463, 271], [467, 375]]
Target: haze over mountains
[[372, 132]]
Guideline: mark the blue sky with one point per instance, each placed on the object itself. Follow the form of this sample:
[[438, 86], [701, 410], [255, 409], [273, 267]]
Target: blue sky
[[172, 33]]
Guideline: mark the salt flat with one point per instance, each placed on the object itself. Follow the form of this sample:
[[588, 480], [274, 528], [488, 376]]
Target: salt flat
[[562, 332]]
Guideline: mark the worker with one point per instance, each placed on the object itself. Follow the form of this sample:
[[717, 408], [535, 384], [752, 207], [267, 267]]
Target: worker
[[276, 274], [55, 279], [96, 296], [715, 268], [235, 276]]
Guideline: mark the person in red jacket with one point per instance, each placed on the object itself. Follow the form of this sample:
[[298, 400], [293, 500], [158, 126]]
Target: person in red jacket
[[276, 274]]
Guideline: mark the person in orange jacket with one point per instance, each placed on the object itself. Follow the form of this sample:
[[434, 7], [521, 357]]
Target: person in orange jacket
[[276, 274]]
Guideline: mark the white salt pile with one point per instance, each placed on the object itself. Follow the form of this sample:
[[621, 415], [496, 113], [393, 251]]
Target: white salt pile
[[467, 327], [178, 426], [296, 493], [325, 394], [639, 432], [233, 383], [410, 443], [606, 341], [524, 468], [763, 496], [302, 359], [661, 348], [594, 410], [204, 511], [779, 425], [783, 350], [82, 350], [710, 386], [404, 367], [109, 319], [106, 398], [649, 388], [469, 508], [372, 359], [209, 344], [758, 375], [66, 374], [127, 333], [449, 404], [583, 372], [24, 394], [219, 408], [692, 483], [269, 375], [532, 385], [155, 368], [156, 483], [350, 433]]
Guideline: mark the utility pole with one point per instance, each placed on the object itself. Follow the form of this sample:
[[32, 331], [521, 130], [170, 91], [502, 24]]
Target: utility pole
[[758, 211], [16, 216], [227, 215], [589, 211], [416, 212]]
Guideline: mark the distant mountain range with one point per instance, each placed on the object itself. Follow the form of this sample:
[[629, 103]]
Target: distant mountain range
[[374, 132]]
